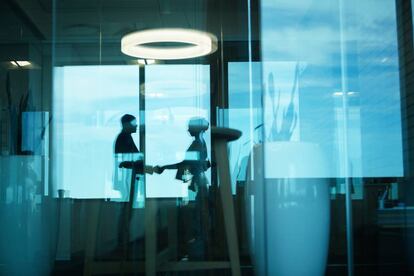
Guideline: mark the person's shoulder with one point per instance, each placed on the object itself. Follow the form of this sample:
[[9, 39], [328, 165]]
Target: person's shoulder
[[122, 134], [119, 143]]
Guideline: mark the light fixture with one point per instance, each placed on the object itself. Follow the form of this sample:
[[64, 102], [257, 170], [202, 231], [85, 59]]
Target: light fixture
[[199, 44], [20, 63]]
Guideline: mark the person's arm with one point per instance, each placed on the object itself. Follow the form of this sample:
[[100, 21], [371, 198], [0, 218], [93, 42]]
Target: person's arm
[[160, 169], [132, 164], [205, 164]]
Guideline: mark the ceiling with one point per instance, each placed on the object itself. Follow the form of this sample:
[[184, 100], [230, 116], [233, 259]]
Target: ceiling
[[87, 31]]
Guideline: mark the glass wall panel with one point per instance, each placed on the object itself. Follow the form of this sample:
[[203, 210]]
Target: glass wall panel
[[337, 47], [27, 215], [245, 114], [332, 81], [88, 102], [174, 95], [284, 147]]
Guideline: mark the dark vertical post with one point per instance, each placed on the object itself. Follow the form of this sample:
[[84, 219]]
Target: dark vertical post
[[150, 203], [142, 109], [406, 70]]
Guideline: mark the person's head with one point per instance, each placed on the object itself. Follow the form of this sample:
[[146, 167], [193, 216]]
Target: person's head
[[129, 123], [197, 125]]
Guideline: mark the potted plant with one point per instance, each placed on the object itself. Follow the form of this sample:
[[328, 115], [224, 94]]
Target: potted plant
[[287, 198]]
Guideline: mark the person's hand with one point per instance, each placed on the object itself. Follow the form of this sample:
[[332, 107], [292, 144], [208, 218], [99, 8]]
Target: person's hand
[[149, 169], [124, 164], [158, 169]]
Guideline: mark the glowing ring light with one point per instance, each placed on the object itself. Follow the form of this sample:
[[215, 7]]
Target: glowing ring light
[[200, 44]]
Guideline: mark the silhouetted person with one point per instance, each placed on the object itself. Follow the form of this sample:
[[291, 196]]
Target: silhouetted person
[[195, 164], [124, 142], [126, 155]]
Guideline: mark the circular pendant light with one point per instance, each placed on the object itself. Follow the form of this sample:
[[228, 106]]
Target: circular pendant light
[[197, 44]]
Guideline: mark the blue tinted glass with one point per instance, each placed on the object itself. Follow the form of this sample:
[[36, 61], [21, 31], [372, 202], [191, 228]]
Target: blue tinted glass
[[174, 95], [244, 114], [345, 77], [89, 102]]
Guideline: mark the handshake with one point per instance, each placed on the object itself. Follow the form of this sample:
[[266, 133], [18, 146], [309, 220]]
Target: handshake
[[159, 169], [138, 166], [190, 165]]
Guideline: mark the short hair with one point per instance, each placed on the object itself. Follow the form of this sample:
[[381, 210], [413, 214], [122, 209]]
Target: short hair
[[127, 118]]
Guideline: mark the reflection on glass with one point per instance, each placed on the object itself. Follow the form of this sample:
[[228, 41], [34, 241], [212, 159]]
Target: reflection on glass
[[174, 94], [128, 161], [192, 170], [281, 103], [321, 175], [244, 117], [373, 87], [195, 163], [344, 100], [89, 102]]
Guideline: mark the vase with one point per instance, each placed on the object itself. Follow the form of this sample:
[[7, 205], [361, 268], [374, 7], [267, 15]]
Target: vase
[[288, 209]]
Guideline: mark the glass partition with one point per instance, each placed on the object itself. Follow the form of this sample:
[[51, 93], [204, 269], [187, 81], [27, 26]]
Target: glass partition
[[333, 81], [173, 95], [88, 102], [234, 137]]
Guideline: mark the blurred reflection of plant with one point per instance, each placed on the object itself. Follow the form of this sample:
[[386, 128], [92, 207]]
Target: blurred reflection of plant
[[15, 118], [289, 118]]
